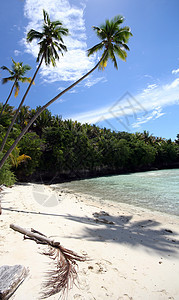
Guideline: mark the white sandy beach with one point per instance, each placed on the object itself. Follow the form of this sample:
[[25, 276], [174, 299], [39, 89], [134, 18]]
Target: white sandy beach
[[133, 252]]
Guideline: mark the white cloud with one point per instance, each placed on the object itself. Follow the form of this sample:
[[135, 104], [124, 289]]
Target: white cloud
[[150, 87], [92, 81], [148, 76], [175, 71], [17, 52], [172, 85], [155, 114], [145, 106], [75, 62]]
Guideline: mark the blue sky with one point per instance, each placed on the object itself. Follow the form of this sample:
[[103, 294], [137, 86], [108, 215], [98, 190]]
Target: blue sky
[[142, 95]]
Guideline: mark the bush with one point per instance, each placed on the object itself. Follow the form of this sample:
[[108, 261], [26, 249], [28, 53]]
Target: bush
[[7, 177], [30, 145]]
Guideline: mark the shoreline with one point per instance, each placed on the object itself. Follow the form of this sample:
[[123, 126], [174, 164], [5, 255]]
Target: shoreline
[[134, 252], [89, 199], [82, 175]]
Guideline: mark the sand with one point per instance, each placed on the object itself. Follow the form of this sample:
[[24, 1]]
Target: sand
[[133, 252]]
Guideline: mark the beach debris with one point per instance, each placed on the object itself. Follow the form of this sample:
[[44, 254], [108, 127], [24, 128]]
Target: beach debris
[[105, 221], [63, 274], [99, 217], [168, 230], [10, 279], [102, 213]]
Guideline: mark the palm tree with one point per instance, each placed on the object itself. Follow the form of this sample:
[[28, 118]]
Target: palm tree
[[50, 39], [43, 121], [6, 118], [23, 116], [114, 39], [17, 75]]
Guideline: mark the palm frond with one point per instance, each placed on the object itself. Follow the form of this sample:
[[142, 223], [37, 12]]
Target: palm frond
[[25, 79], [118, 20], [120, 52], [57, 23], [61, 47], [123, 34], [5, 80], [113, 58], [17, 88], [95, 48], [41, 51], [63, 274], [46, 17], [62, 31], [100, 31], [125, 47], [33, 34], [6, 69], [26, 68], [104, 61], [22, 158]]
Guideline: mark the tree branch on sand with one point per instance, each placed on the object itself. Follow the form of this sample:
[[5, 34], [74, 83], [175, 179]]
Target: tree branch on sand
[[61, 278]]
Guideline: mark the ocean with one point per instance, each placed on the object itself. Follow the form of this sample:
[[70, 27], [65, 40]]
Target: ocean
[[154, 190]]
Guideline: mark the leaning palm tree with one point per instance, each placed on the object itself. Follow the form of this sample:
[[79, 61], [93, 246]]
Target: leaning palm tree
[[114, 40], [16, 75], [49, 39]]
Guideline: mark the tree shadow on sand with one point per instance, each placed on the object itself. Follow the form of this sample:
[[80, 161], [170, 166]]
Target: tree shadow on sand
[[123, 230]]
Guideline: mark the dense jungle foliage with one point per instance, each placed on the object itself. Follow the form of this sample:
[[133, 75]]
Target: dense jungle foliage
[[55, 150]]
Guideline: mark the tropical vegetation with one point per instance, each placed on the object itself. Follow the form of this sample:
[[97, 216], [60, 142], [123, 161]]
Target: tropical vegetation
[[57, 150]]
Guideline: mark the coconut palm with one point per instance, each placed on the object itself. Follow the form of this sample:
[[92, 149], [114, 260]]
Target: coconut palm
[[43, 121], [114, 39], [16, 75], [7, 116], [49, 39], [23, 116]]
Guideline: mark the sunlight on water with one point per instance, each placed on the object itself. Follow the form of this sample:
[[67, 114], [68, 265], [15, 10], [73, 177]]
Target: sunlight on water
[[156, 190]]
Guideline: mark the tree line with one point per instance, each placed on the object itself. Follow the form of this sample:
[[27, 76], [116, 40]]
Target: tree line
[[55, 150]]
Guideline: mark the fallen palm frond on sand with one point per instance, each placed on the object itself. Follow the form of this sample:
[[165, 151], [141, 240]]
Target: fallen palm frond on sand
[[64, 273]]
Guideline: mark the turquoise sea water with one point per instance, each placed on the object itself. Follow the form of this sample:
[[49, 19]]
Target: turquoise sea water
[[155, 190]]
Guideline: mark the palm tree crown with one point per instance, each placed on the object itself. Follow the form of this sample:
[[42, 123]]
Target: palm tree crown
[[114, 41], [50, 39], [17, 74]]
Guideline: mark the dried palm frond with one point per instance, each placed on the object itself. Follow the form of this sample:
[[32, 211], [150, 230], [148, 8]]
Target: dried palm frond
[[64, 271], [63, 274]]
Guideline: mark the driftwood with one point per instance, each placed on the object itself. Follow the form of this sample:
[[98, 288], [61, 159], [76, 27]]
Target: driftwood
[[63, 274], [10, 278]]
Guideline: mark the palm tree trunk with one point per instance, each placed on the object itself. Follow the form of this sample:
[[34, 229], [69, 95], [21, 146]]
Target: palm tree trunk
[[20, 105], [5, 104], [43, 108]]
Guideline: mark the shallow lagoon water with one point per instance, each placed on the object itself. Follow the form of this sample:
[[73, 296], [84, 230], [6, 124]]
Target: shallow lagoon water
[[154, 190]]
